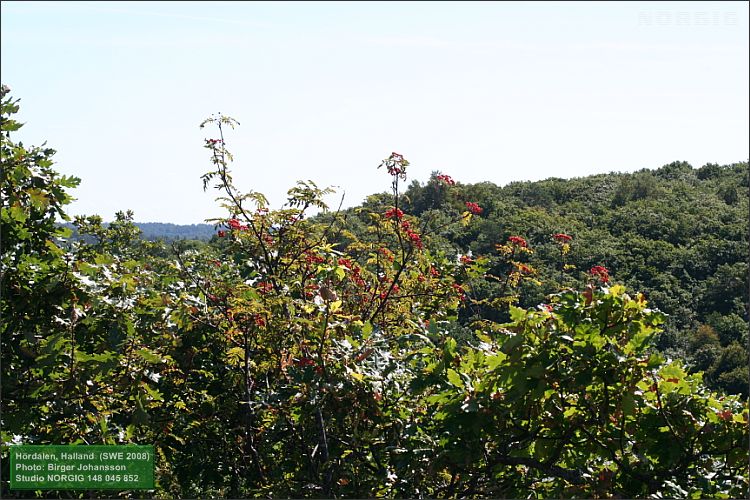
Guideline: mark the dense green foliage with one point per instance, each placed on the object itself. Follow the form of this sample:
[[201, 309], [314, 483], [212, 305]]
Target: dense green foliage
[[356, 354]]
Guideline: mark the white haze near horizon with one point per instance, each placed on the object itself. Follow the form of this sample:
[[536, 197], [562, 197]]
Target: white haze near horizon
[[481, 91]]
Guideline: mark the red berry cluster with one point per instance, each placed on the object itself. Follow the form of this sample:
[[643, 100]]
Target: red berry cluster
[[311, 290], [601, 272], [355, 270], [413, 236], [415, 239], [396, 165], [357, 277], [447, 179], [517, 240], [394, 213], [312, 258], [562, 237], [304, 361], [474, 208], [235, 225], [394, 291], [725, 415], [386, 253]]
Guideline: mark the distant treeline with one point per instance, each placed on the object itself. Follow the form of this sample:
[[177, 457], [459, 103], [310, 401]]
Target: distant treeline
[[167, 231]]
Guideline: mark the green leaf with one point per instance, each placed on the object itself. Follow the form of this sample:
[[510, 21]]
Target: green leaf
[[543, 449], [54, 249], [570, 412], [17, 214], [654, 361], [129, 432], [148, 356], [366, 330], [454, 378], [628, 404], [517, 314], [11, 125], [153, 393], [450, 347], [639, 338], [483, 337], [433, 328], [496, 360], [534, 371], [514, 341]]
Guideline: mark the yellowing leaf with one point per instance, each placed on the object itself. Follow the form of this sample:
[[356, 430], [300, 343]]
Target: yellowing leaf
[[38, 199], [340, 272], [235, 356]]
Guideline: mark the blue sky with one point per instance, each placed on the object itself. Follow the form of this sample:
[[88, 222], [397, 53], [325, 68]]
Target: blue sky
[[496, 91]]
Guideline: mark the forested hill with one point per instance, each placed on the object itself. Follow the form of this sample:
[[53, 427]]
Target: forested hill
[[677, 233]]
